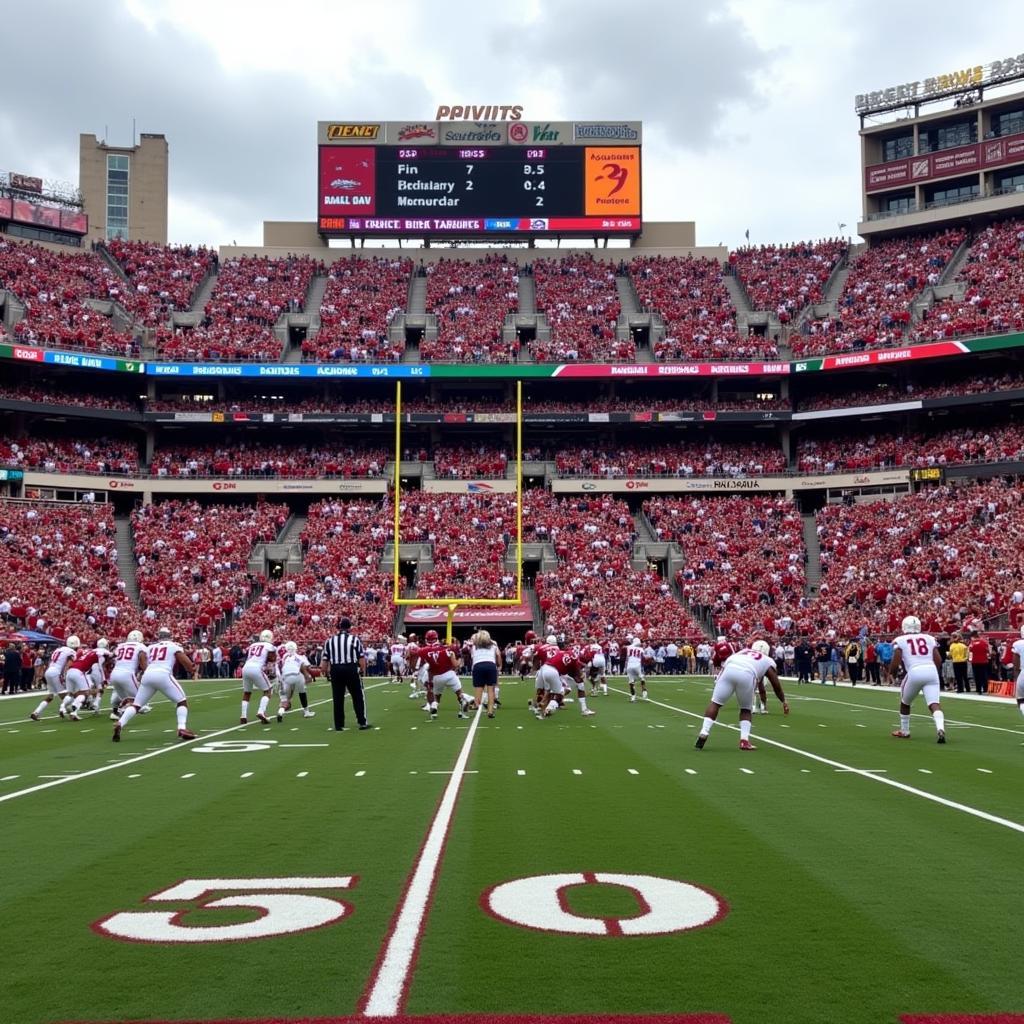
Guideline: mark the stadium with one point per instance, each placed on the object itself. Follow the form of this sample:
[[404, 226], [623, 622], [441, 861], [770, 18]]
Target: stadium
[[479, 402]]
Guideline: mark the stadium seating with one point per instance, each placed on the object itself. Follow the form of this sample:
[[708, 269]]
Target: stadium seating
[[193, 560], [874, 309], [744, 557], [596, 591], [267, 460], [981, 385], [95, 455], [164, 278], [79, 396], [578, 296], [993, 275], [362, 297], [471, 300], [458, 463], [784, 278], [60, 570], [683, 459], [53, 288]]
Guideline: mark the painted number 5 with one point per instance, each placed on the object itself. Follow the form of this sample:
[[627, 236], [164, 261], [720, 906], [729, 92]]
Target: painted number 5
[[282, 907]]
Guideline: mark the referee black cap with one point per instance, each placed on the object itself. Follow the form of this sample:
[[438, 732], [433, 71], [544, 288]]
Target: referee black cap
[[344, 622]]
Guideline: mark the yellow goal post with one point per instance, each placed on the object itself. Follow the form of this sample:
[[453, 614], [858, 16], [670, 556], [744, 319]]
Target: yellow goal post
[[452, 604]]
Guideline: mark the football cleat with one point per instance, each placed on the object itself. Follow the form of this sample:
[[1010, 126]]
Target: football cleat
[[264, 719], [701, 740], [900, 734], [74, 716], [588, 713], [186, 734], [280, 716], [114, 716], [632, 698], [34, 717], [643, 696], [63, 714], [308, 713], [145, 709], [941, 737], [747, 745], [117, 733], [243, 720]]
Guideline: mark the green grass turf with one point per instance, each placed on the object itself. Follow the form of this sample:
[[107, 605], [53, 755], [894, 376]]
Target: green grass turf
[[848, 900]]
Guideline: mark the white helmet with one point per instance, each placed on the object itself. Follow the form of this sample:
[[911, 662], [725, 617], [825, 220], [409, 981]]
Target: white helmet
[[720, 639], [551, 639], [73, 642], [635, 641], [761, 646], [291, 647], [267, 636], [135, 636], [163, 633], [911, 624], [103, 643]]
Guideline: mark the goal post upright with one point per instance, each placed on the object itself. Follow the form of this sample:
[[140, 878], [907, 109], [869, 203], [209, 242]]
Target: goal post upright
[[452, 604]]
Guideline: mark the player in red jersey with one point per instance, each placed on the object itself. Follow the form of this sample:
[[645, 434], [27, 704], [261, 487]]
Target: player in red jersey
[[721, 652], [569, 667], [541, 653], [442, 664], [78, 682]]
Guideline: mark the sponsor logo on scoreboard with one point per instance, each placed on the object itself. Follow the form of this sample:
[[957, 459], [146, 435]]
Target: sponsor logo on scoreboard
[[489, 132], [601, 131], [347, 180], [421, 132], [362, 132], [549, 133]]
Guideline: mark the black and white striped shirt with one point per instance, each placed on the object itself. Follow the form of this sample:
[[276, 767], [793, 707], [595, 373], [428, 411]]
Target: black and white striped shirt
[[343, 649]]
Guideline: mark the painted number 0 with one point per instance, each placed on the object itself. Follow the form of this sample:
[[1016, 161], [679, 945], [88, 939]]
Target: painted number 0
[[283, 909]]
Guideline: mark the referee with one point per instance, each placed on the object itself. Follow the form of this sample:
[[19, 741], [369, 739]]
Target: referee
[[345, 659]]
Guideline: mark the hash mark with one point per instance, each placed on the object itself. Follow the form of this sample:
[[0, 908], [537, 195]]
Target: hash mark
[[519, 771], [987, 771], [301, 775], [359, 775], [189, 775], [576, 771], [632, 771], [246, 775], [747, 771]]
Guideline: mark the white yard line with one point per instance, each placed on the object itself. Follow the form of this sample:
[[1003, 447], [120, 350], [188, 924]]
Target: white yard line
[[205, 737], [389, 982], [864, 774]]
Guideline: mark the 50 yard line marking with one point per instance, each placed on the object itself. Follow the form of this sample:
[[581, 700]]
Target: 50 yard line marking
[[142, 757], [863, 773], [389, 981]]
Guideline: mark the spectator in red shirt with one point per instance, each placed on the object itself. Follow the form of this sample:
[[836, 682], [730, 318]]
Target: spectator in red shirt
[[981, 653]]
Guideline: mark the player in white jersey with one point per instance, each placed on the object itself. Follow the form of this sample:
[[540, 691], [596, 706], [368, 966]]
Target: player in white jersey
[[397, 658], [255, 675], [161, 659], [54, 676], [99, 674], [596, 664], [740, 674], [418, 680], [635, 669], [918, 654], [1017, 650], [130, 661], [295, 674]]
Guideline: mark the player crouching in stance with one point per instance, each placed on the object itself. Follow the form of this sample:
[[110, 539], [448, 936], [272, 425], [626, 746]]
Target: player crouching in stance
[[254, 675], [555, 673], [741, 672], [918, 653], [635, 669], [486, 666], [442, 663], [295, 674], [1018, 669], [162, 657]]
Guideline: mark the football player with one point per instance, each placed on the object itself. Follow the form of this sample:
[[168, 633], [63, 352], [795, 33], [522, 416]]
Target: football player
[[255, 677], [740, 674], [918, 653], [442, 663], [1017, 652], [54, 676], [635, 669], [295, 674], [161, 658], [130, 661]]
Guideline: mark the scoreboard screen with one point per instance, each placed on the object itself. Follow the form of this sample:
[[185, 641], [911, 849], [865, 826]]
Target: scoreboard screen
[[462, 190]]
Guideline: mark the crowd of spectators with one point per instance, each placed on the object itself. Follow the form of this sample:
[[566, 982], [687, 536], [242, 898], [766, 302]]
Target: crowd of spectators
[[362, 297], [469, 534], [996, 443], [465, 463], [164, 278], [784, 278], [60, 570], [250, 294], [744, 557], [255, 459], [874, 309], [579, 297], [342, 544], [103, 456], [993, 276], [192, 560], [596, 590], [471, 299], [949, 555], [681, 459], [53, 394], [892, 393], [53, 288]]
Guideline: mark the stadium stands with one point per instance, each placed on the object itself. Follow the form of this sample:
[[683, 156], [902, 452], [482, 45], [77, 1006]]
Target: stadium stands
[[165, 278], [96, 455], [710, 458], [267, 460], [784, 278]]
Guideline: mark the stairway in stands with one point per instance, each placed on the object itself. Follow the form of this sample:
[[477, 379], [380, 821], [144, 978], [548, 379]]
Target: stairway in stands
[[126, 557], [813, 583], [202, 297]]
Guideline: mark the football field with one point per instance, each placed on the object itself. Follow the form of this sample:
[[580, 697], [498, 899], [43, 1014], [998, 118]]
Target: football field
[[490, 869]]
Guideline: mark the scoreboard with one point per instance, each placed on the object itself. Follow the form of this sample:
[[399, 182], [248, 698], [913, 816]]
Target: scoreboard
[[464, 179]]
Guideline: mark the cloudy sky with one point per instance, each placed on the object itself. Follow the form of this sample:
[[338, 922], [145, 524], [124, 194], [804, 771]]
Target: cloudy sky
[[748, 106]]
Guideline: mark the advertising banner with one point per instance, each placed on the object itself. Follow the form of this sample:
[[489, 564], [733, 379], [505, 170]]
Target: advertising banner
[[26, 183], [30, 213], [284, 370], [670, 369], [77, 223], [501, 613], [5, 209], [612, 181], [348, 180], [175, 485], [469, 486], [728, 485], [474, 225], [540, 133], [24, 353]]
